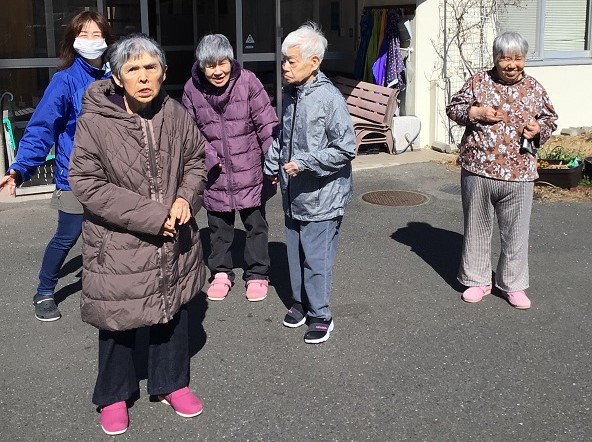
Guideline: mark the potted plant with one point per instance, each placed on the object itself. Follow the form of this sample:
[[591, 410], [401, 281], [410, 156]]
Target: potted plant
[[559, 167]]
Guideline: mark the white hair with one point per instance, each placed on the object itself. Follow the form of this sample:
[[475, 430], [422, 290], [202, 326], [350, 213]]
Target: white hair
[[310, 40], [509, 43], [213, 48]]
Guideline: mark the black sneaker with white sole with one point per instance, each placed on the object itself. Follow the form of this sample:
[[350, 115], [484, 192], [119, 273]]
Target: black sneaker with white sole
[[296, 316], [46, 309], [319, 330]]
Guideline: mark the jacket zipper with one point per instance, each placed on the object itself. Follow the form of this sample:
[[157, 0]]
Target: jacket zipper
[[164, 282], [290, 152], [227, 159]]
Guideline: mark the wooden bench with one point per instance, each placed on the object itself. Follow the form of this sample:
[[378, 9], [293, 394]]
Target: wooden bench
[[372, 108]]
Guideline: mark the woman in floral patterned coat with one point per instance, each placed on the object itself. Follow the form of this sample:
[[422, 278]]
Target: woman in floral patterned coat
[[500, 108]]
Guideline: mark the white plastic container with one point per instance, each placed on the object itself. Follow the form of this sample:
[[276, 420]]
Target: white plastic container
[[406, 131]]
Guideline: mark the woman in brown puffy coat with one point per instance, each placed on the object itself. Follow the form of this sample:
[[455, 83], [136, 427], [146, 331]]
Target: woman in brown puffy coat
[[138, 170]]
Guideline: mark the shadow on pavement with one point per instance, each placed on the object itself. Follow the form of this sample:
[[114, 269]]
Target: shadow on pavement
[[72, 266], [237, 248], [439, 248], [279, 276]]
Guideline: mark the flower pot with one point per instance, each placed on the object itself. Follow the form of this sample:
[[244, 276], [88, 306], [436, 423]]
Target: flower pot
[[588, 168], [564, 178]]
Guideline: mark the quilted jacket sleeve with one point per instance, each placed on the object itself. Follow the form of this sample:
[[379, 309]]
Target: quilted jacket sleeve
[[262, 114], [193, 182], [108, 202]]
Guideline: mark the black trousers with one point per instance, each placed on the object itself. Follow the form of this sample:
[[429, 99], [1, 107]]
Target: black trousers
[[168, 361], [256, 245]]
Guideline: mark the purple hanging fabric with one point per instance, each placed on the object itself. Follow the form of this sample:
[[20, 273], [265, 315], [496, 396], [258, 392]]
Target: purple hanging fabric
[[379, 66], [389, 68], [395, 67]]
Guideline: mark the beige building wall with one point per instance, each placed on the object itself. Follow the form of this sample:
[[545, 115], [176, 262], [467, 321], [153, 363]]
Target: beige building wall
[[426, 91], [570, 91]]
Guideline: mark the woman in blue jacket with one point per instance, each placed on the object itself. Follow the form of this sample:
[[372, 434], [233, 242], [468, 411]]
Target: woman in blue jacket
[[53, 123]]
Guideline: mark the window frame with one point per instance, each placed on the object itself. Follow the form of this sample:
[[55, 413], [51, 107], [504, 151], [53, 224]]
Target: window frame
[[542, 57]]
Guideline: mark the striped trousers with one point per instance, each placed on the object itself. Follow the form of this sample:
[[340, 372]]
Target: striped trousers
[[483, 199]]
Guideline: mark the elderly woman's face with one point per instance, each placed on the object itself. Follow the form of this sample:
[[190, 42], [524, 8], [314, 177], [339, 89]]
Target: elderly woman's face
[[141, 79], [218, 73], [510, 67]]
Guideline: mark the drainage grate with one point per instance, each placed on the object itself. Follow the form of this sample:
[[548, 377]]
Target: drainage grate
[[395, 198]]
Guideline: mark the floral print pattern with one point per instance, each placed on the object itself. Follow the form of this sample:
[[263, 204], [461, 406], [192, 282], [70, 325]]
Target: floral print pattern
[[492, 150]]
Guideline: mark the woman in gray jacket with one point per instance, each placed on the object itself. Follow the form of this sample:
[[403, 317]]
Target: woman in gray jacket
[[313, 160], [138, 170]]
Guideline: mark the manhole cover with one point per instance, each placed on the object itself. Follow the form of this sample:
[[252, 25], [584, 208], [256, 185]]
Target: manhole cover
[[395, 198]]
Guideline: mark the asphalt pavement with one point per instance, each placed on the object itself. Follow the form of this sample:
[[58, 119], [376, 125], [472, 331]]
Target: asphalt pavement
[[407, 361]]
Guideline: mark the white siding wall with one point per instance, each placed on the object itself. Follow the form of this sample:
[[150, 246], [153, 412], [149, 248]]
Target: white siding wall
[[570, 91]]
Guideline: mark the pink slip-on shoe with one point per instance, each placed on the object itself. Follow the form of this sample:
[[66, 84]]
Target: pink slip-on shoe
[[219, 287], [114, 418], [476, 294], [518, 299], [184, 402], [257, 289]]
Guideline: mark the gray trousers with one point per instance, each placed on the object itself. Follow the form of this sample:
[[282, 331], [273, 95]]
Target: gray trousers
[[483, 199], [311, 248]]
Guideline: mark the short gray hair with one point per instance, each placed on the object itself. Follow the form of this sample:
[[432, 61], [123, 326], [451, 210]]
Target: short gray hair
[[309, 38], [213, 48], [133, 46], [509, 43]]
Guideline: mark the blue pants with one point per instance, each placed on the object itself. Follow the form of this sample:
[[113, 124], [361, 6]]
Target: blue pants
[[67, 233], [311, 248]]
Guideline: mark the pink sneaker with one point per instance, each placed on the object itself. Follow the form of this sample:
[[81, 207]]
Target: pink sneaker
[[219, 287], [184, 402], [114, 418], [518, 299], [257, 289], [476, 294]]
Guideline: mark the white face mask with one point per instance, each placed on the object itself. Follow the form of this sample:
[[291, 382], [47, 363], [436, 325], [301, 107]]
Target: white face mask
[[90, 49]]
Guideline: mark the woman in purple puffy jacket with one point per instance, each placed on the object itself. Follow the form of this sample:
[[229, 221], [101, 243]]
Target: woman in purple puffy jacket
[[233, 112]]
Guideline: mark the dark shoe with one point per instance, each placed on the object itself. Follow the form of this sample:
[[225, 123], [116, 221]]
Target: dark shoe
[[319, 330], [45, 308], [296, 316]]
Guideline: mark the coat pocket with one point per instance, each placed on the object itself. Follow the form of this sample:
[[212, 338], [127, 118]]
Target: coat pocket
[[103, 248]]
